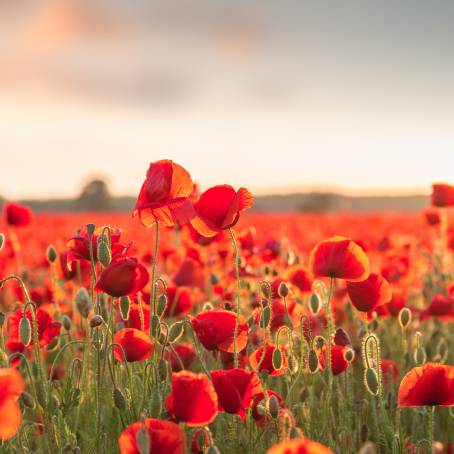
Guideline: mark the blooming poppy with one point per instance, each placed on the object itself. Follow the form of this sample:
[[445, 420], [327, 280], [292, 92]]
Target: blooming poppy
[[370, 293], [11, 387], [138, 315], [219, 207], [136, 345], [339, 362], [258, 364], [235, 388], [215, 330], [181, 356], [299, 446], [190, 274], [179, 301], [124, 276], [430, 384], [341, 258], [390, 370], [48, 329], [442, 195], [165, 437], [301, 278], [192, 399], [441, 307], [17, 215], [165, 195]]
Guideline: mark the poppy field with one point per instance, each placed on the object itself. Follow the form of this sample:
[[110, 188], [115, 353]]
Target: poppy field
[[196, 325]]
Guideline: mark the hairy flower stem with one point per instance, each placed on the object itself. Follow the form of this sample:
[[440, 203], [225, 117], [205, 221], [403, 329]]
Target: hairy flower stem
[[330, 323], [431, 427], [237, 273], [153, 272]]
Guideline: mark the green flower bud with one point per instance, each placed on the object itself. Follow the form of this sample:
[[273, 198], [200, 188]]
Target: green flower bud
[[51, 254], [25, 330]]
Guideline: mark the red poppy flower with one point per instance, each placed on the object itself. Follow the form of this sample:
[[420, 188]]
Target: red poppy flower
[[11, 387], [441, 307], [431, 384], [179, 301], [370, 293], [124, 276], [165, 437], [301, 278], [235, 388], [181, 356], [48, 329], [219, 207], [341, 258], [267, 363], [193, 399], [215, 330], [432, 216], [390, 370], [17, 215], [137, 346], [164, 196], [79, 245], [190, 274], [134, 320], [338, 362], [299, 446], [203, 240], [442, 195]]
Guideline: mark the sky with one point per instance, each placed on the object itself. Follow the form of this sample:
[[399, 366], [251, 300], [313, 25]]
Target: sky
[[351, 96]]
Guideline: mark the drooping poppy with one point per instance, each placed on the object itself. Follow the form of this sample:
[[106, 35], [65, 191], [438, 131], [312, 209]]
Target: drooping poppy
[[165, 437], [124, 276], [165, 195], [136, 345], [258, 364], [11, 387], [341, 258], [219, 207], [215, 330], [369, 293], [235, 388], [442, 195], [17, 215], [48, 329], [431, 384], [192, 399], [299, 446]]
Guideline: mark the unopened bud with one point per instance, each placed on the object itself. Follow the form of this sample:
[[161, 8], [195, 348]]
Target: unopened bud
[[265, 317], [104, 255], [25, 330], [66, 322], [404, 317], [371, 381], [315, 303], [83, 302], [273, 406], [313, 362], [277, 359], [161, 306], [51, 254], [119, 399], [143, 441], [125, 306], [175, 332], [96, 321], [283, 290], [90, 229]]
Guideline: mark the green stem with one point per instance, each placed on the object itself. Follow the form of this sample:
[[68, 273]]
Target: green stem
[[431, 427], [237, 273], [153, 272]]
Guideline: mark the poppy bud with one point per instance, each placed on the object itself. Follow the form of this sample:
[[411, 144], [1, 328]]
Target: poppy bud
[[341, 337], [349, 355], [53, 344], [96, 321], [213, 450], [143, 440], [40, 394], [404, 317], [315, 303], [318, 342], [265, 318], [266, 290], [292, 364], [25, 330], [51, 254], [283, 290], [277, 359], [161, 306], [175, 332], [273, 406], [125, 306], [214, 279], [371, 381], [2, 240], [295, 432], [154, 323], [162, 370], [83, 302], [313, 361], [27, 400], [103, 252], [419, 356], [207, 307], [119, 399], [261, 410], [2, 319], [66, 322], [90, 229]]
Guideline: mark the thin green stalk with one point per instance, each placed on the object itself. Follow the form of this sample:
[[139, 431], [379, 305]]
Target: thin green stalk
[[237, 274], [153, 272]]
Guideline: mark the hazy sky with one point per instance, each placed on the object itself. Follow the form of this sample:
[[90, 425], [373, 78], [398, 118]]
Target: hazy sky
[[276, 96]]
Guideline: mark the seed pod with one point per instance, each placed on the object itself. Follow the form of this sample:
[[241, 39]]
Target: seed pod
[[119, 399], [315, 303], [313, 361], [27, 400], [273, 406], [96, 321], [277, 359], [175, 332], [143, 441], [404, 317], [83, 302], [66, 322], [371, 381], [161, 306], [2, 240], [265, 317], [283, 290], [51, 254], [104, 255], [125, 306], [25, 330]]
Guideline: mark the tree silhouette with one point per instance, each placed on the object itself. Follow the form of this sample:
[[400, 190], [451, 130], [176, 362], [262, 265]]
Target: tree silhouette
[[95, 196]]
